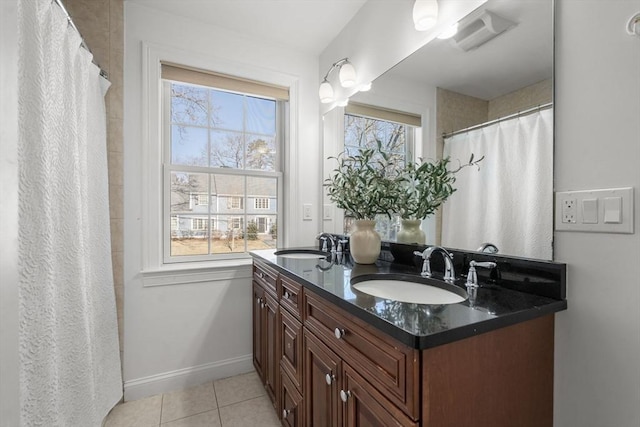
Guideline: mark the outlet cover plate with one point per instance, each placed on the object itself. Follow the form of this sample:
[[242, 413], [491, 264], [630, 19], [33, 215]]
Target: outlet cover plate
[[570, 215]]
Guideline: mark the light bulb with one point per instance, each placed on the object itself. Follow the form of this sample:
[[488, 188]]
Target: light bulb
[[364, 87], [449, 32], [325, 92], [425, 14], [348, 75]]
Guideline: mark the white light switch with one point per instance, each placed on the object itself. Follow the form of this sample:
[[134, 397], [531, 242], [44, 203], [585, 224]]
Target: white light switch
[[613, 210], [590, 211], [307, 215]]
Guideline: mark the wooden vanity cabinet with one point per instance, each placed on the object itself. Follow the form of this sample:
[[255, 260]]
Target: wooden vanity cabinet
[[324, 367]]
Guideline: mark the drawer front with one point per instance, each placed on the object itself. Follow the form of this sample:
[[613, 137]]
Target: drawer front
[[291, 296], [291, 347], [266, 276], [387, 364], [292, 410]]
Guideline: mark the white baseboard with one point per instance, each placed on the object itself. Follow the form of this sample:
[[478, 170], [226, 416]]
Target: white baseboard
[[181, 378]]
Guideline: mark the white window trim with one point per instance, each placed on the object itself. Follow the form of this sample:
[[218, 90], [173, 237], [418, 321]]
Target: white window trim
[[151, 175]]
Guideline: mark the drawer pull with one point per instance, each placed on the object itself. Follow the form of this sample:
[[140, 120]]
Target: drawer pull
[[285, 413], [329, 378], [286, 295], [345, 395], [260, 274], [339, 333], [259, 300]]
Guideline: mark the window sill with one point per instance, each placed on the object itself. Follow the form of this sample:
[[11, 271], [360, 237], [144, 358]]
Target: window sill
[[183, 273]]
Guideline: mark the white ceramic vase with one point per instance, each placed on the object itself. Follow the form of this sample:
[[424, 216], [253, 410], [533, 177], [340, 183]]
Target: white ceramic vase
[[364, 242], [410, 232]]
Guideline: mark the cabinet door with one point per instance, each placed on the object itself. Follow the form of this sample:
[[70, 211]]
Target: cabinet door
[[270, 342], [321, 379], [258, 329], [364, 406], [292, 411], [291, 347]]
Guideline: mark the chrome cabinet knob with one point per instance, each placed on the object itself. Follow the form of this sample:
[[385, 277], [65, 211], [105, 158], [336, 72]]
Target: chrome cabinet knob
[[329, 378], [285, 413], [286, 295], [339, 333], [261, 274], [345, 395]]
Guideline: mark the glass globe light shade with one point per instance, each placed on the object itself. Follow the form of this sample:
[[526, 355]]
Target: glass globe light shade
[[425, 14], [325, 92], [347, 75]]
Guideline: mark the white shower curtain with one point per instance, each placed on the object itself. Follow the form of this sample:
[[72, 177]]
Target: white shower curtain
[[509, 202], [69, 353]]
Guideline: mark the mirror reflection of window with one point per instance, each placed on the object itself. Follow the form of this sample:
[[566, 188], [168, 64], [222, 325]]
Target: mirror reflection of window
[[365, 127]]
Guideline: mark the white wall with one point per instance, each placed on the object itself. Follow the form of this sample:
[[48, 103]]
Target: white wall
[[597, 370], [9, 381], [187, 333]]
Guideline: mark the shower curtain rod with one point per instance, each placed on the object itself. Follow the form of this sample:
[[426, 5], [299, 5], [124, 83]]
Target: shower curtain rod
[[511, 116], [103, 73]]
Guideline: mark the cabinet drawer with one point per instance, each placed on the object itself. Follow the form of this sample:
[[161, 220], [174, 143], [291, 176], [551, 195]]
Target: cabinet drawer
[[292, 410], [290, 294], [266, 276], [388, 365], [291, 347]]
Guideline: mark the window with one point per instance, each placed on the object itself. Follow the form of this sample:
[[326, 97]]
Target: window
[[261, 203], [223, 141], [199, 224], [364, 127], [235, 202]]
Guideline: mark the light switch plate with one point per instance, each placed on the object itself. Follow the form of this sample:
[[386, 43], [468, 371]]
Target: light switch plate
[[307, 214], [604, 202]]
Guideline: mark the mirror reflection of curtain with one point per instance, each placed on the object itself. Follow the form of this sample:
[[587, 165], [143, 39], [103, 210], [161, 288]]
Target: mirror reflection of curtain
[[509, 201]]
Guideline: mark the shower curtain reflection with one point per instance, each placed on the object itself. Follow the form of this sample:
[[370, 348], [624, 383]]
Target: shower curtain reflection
[[509, 202]]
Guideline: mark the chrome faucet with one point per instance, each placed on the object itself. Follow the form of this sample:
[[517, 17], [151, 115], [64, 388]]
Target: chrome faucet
[[472, 276], [449, 271], [324, 237], [489, 248]]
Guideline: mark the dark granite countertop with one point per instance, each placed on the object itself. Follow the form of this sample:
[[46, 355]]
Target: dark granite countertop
[[420, 326]]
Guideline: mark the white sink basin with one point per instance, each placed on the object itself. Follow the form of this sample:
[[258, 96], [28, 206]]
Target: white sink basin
[[301, 253], [410, 291]]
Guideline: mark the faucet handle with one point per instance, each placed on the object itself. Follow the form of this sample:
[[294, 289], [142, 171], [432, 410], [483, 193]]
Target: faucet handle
[[472, 276]]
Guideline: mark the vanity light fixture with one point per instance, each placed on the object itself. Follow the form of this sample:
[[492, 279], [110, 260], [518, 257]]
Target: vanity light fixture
[[425, 14], [347, 76]]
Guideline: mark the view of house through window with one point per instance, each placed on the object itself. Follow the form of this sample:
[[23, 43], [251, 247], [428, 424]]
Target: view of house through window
[[396, 139], [221, 169]]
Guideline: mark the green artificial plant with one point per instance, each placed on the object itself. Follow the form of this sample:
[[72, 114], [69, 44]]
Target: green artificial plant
[[362, 184]]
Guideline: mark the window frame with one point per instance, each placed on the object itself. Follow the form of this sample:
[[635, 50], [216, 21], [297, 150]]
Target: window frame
[[236, 212], [146, 190]]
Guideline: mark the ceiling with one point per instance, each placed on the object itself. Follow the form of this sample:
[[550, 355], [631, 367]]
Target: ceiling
[[305, 25]]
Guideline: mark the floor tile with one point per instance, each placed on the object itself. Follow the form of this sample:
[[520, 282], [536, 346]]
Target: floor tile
[[239, 388], [190, 401], [137, 413], [250, 413], [206, 419]]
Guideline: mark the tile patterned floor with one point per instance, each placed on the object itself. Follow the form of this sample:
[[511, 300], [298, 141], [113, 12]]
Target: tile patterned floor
[[238, 401]]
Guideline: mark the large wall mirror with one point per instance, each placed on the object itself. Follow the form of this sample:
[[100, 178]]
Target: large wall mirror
[[473, 93]]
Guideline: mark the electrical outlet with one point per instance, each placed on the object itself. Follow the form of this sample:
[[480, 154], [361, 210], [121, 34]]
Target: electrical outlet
[[569, 214]]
